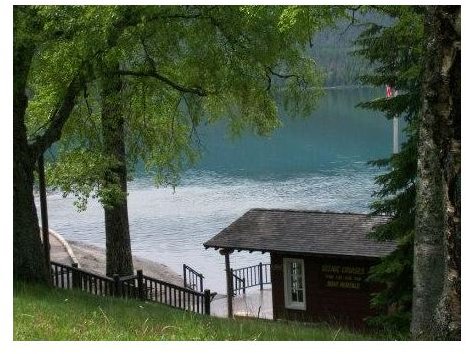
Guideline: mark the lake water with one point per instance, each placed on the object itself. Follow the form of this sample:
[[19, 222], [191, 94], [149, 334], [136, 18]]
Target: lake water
[[316, 163]]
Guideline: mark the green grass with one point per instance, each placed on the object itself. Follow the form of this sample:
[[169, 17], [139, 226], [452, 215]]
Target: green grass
[[41, 313]]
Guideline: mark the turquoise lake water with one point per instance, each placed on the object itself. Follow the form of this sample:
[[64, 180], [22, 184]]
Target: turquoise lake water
[[317, 163]]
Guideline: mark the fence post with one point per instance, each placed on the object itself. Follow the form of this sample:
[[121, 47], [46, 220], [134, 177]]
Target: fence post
[[234, 282], [202, 284], [141, 290], [184, 275], [207, 302], [75, 276], [229, 275], [261, 282], [117, 285]]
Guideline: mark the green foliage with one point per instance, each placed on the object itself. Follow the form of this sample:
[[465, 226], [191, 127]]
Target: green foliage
[[396, 51], [65, 43], [159, 131], [76, 171], [54, 314], [182, 66]]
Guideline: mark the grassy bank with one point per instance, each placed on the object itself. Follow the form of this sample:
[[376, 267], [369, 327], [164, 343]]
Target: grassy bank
[[55, 314]]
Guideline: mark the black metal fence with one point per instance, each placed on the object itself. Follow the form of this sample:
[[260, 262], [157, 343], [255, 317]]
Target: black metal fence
[[176, 296], [238, 283], [137, 286], [192, 279], [68, 277], [61, 275], [247, 277]]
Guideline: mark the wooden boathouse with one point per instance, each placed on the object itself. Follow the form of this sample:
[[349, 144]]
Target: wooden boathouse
[[319, 261]]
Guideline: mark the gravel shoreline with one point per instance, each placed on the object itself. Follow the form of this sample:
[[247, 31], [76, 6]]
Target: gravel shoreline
[[92, 258]]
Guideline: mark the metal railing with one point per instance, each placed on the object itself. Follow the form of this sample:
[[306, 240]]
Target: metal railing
[[192, 279], [72, 277], [176, 296], [256, 275], [238, 283], [126, 286], [137, 286]]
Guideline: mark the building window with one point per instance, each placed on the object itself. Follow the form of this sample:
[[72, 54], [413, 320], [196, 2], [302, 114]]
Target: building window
[[295, 294]]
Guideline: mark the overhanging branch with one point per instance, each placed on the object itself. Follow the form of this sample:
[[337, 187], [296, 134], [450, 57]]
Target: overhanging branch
[[58, 119], [283, 76], [300, 80], [154, 74]]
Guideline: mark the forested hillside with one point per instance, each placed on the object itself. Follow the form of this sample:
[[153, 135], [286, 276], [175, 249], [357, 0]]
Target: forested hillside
[[332, 49]]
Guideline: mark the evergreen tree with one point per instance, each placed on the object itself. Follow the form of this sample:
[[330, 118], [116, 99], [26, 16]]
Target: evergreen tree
[[396, 51], [420, 56]]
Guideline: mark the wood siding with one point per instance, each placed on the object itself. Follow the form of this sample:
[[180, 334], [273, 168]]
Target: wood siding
[[325, 301]]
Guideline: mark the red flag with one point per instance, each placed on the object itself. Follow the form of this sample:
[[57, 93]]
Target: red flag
[[388, 91]]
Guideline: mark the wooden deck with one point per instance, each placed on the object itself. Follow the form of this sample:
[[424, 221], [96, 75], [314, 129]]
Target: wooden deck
[[254, 303]]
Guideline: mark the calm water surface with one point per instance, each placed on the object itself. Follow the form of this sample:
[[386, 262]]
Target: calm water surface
[[314, 163]]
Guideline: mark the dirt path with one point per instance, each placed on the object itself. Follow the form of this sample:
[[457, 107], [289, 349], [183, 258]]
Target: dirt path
[[58, 251]]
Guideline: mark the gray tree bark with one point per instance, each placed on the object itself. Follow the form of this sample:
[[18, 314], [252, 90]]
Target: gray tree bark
[[118, 242], [437, 259]]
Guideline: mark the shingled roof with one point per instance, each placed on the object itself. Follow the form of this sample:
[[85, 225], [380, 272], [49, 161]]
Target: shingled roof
[[303, 232]]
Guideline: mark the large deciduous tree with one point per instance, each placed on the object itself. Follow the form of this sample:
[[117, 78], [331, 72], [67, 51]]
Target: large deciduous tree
[[54, 49], [25, 229], [193, 64], [149, 75], [29, 38], [437, 258], [119, 258], [200, 56]]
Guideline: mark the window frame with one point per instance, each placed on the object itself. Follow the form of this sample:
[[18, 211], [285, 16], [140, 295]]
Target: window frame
[[289, 303]]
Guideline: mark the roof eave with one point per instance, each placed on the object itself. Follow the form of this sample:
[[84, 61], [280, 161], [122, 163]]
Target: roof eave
[[263, 250]]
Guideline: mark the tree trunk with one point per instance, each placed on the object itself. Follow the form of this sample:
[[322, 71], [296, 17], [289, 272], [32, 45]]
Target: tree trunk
[[448, 315], [28, 255], [436, 277], [118, 243]]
